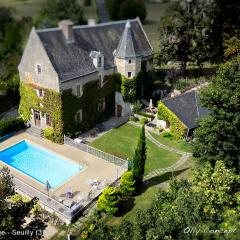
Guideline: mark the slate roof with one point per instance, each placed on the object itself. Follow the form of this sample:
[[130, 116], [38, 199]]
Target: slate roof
[[72, 60], [128, 47], [187, 108]]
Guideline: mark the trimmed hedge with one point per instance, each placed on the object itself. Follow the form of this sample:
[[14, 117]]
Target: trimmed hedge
[[178, 129], [10, 125], [147, 115]]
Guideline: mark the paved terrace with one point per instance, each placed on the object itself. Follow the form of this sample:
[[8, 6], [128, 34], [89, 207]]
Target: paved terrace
[[93, 168]]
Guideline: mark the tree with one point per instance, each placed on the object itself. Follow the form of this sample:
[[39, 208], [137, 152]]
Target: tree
[[129, 89], [139, 159], [127, 184], [218, 134], [130, 9], [56, 10], [126, 9], [108, 201], [232, 47], [13, 214]]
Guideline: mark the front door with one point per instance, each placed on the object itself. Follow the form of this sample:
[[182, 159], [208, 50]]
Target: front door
[[37, 118], [119, 110]]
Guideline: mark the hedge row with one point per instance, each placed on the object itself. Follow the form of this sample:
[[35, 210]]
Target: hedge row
[[10, 125], [178, 129]]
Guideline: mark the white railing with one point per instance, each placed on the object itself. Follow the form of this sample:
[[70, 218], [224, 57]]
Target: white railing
[[96, 152]]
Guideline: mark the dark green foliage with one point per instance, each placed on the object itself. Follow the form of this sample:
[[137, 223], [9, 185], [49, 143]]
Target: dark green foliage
[[92, 93], [13, 214], [137, 107], [139, 159], [130, 9], [57, 10], [10, 125], [87, 3], [126, 9], [12, 36], [129, 89], [51, 104], [218, 135]]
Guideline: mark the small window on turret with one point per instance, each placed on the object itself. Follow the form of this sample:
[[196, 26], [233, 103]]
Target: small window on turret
[[39, 69], [129, 61], [129, 74]]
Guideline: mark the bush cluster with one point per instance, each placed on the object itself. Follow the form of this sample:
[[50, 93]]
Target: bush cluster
[[10, 125]]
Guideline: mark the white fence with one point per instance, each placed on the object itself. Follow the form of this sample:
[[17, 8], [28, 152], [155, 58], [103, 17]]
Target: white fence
[[97, 153]]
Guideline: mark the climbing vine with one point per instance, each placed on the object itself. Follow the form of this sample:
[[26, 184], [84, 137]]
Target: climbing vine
[[88, 103], [178, 129], [62, 107], [50, 104]]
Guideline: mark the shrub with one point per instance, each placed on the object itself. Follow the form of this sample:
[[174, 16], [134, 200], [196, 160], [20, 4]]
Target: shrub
[[108, 201], [48, 133], [127, 184], [137, 106], [133, 119], [10, 125], [147, 115], [143, 121], [166, 134]]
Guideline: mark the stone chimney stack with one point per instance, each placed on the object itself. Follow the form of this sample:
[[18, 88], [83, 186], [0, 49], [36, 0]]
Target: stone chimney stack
[[91, 22], [67, 28]]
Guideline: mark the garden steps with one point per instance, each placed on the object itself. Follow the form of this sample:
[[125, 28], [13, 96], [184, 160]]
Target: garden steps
[[34, 131]]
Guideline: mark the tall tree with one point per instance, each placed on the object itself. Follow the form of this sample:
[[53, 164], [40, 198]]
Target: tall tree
[[13, 214], [218, 135], [139, 159], [56, 10]]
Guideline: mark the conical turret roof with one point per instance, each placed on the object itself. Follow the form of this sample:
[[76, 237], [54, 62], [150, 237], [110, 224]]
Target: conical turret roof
[[127, 47]]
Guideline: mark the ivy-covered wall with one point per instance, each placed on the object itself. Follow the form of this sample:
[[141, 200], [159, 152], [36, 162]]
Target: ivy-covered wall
[[62, 107], [88, 103], [50, 104], [178, 129]]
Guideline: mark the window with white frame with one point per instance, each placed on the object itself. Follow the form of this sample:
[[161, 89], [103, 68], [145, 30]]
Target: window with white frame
[[79, 90], [39, 69], [101, 105], [78, 116]]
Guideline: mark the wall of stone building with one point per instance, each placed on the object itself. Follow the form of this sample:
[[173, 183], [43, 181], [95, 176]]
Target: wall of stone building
[[72, 84], [123, 66], [34, 54]]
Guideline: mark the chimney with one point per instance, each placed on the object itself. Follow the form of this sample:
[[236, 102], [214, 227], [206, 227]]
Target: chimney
[[67, 28], [91, 22]]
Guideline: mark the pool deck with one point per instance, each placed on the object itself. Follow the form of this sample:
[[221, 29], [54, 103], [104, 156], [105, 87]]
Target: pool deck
[[94, 168]]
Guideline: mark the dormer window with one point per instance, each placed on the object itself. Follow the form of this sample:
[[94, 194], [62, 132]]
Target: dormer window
[[39, 69], [98, 59]]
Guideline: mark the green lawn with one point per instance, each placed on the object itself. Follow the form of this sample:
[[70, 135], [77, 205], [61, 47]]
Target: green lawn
[[122, 142], [180, 145]]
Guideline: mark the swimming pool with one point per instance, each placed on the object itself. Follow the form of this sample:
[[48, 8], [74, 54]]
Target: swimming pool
[[39, 163]]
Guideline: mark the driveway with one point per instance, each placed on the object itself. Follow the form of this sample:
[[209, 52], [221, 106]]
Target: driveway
[[102, 13]]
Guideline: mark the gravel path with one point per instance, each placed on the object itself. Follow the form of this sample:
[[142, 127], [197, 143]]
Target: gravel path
[[175, 166]]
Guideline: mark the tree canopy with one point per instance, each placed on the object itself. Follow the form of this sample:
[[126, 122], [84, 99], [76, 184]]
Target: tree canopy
[[13, 214], [126, 9], [57, 10], [218, 135]]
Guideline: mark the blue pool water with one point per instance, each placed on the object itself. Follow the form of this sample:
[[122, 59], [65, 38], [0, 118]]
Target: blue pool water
[[39, 163]]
